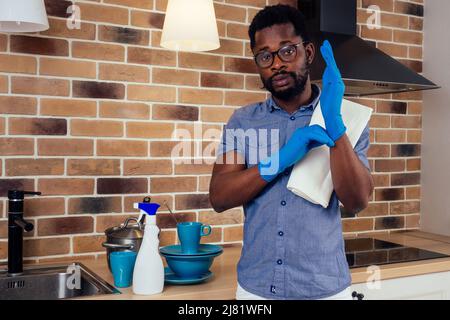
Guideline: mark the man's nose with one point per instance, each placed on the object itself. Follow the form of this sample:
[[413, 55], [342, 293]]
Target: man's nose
[[278, 63]]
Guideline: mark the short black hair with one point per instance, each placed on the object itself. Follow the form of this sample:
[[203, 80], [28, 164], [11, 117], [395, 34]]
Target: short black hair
[[278, 14]]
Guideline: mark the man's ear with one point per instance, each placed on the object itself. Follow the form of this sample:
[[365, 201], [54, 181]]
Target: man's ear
[[310, 50]]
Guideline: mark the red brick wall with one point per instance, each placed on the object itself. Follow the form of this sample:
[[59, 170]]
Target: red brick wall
[[87, 117]]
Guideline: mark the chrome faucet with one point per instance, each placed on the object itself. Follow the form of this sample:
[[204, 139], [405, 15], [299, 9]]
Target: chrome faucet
[[16, 226]]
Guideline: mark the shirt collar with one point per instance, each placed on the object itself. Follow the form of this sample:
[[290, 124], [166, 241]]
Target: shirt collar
[[315, 92]]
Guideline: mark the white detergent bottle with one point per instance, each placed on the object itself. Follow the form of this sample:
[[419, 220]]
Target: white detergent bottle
[[148, 274]]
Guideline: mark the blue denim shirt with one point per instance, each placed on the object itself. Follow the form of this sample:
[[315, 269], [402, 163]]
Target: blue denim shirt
[[292, 248]]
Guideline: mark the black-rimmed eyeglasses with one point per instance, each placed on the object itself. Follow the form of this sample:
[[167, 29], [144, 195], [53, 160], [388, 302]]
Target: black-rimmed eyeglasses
[[287, 53]]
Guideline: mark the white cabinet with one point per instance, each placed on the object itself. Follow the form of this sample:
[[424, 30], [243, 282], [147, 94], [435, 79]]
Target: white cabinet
[[435, 286]]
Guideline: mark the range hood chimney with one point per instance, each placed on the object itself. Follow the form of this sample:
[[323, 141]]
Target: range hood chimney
[[365, 69]]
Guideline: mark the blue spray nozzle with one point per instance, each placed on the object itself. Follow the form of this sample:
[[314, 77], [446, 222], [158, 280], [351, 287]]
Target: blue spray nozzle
[[149, 208]]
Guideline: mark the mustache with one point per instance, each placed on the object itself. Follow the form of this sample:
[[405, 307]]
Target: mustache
[[292, 74]]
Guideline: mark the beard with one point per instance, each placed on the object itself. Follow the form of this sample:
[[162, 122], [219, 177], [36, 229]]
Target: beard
[[289, 93]]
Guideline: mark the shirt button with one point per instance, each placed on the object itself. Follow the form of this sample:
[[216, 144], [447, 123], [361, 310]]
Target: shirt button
[[292, 118], [281, 233], [279, 261], [272, 289], [283, 203]]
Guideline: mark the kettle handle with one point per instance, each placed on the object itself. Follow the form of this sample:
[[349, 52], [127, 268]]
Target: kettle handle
[[131, 219], [117, 246]]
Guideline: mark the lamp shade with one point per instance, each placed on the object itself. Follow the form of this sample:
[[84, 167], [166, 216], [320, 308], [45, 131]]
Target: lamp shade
[[23, 16], [190, 25]]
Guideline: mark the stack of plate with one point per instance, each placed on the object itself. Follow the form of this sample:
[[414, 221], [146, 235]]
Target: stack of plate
[[190, 268]]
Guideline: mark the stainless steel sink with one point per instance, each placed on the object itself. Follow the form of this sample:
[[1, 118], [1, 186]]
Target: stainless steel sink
[[53, 282]]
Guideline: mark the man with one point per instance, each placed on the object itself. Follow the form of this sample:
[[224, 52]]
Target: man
[[292, 248]]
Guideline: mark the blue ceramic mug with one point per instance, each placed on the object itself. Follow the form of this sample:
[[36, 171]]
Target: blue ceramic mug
[[122, 266], [190, 233]]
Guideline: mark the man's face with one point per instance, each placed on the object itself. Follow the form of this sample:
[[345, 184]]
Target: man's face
[[284, 80]]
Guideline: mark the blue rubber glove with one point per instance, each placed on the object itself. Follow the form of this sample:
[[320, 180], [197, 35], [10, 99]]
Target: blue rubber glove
[[302, 141], [333, 89]]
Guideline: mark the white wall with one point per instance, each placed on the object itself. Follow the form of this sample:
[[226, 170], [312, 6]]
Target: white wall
[[435, 206]]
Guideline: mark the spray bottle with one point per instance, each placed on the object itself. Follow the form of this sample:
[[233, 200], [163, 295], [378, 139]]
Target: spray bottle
[[148, 275]]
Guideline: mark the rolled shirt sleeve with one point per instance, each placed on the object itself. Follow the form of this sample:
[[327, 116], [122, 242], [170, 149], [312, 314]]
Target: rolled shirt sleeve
[[229, 140], [362, 146]]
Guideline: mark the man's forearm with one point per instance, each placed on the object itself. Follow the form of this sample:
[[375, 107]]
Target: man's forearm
[[351, 179], [232, 189]]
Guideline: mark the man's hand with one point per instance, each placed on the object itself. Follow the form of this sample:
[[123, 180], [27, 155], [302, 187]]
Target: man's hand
[[302, 141], [333, 89]]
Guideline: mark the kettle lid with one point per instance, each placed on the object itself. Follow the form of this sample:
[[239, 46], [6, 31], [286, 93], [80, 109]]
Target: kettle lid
[[126, 230]]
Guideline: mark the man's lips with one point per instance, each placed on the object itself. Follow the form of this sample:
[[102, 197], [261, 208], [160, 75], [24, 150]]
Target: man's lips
[[280, 80]]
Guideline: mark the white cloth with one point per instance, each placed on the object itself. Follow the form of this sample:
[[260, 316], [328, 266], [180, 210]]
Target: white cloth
[[311, 177], [242, 294]]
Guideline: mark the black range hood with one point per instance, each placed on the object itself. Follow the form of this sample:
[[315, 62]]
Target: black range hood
[[365, 69]]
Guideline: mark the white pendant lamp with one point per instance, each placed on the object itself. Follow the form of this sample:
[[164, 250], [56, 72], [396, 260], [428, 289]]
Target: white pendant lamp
[[190, 25], [23, 16]]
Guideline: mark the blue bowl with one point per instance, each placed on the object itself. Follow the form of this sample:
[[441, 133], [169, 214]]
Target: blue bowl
[[190, 266]]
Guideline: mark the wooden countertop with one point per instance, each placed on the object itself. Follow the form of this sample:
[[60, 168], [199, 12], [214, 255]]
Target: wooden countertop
[[222, 286]]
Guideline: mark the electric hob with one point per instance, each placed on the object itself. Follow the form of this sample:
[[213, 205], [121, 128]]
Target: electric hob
[[363, 252]]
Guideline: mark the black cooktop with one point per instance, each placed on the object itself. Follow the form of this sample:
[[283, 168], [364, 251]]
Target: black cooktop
[[363, 252]]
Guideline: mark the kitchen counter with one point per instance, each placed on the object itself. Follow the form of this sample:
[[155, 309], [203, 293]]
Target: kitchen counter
[[223, 284]]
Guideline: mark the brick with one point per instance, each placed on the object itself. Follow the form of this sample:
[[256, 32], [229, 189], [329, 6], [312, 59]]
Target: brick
[[161, 5], [406, 150], [122, 185], [414, 122], [99, 90], [58, 28], [2, 130], [354, 225], [231, 216], [93, 167], [98, 51], [415, 53], [240, 65], [230, 47], [226, 12], [42, 206], [124, 110], [409, 8], [381, 180], [108, 221], [38, 45], [167, 238], [253, 83], [66, 186], [390, 165], [147, 167], [124, 35], [156, 38], [233, 233], [37, 126], [389, 194], [18, 105], [123, 72], [389, 223], [143, 19], [412, 193], [171, 112], [40, 86], [200, 96], [46, 247], [383, 34], [200, 61], [407, 207], [215, 236], [390, 136], [404, 179], [68, 107], [375, 209], [151, 93], [236, 30], [414, 136], [3, 42], [69, 225], [214, 114], [4, 84], [65, 147], [392, 107], [394, 50], [84, 244], [411, 95], [15, 184], [165, 148], [192, 201], [115, 15], [96, 128], [18, 64], [378, 151], [58, 8], [150, 130], [415, 23], [413, 164], [413, 221], [94, 205], [385, 5], [240, 98], [166, 220], [148, 4], [124, 148], [16, 146], [394, 20], [203, 183], [173, 184], [152, 56], [193, 168], [32, 167], [175, 77], [415, 65], [218, 80], [408, 37], [67, 68]]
